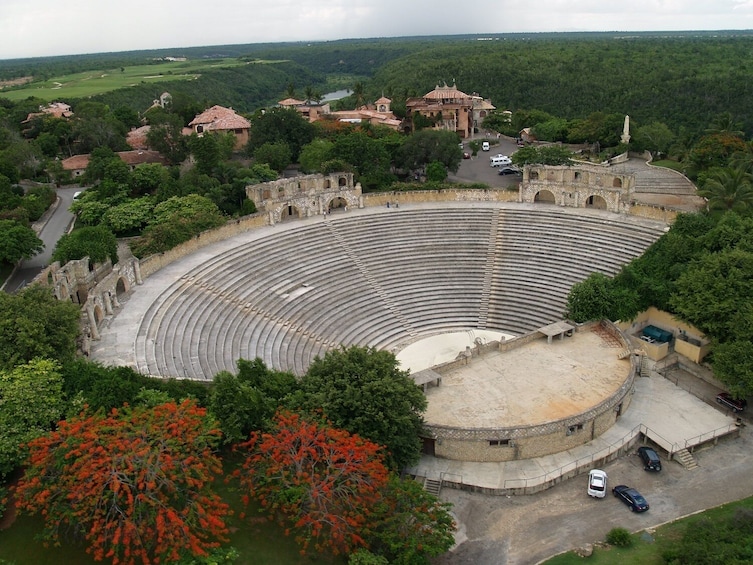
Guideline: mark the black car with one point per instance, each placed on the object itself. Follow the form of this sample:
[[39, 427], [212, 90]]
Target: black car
[[734, 404], [650, 458], [509, 171], [631, 497]]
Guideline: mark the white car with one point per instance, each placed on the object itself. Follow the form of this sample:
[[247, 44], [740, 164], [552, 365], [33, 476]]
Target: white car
[[485, 146], [597, 483]]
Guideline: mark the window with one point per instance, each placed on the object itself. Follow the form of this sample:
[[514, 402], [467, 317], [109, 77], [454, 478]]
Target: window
[[574, 428], [497, 442]]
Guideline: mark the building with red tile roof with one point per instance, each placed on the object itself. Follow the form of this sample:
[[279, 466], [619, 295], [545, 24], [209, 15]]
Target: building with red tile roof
[[221, 119], [450, 109], [376, 114], [54, 109], [78, 163]]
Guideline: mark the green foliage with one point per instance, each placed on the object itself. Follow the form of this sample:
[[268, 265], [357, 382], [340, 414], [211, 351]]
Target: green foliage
[[545, 155], [280, 125], [430, 146], [368, 156], [733, 365], [31, 401], [436, 172], [37, 200], [276, 155], [410, 526], [129, 217], [707, 541], [715, 294], [619, 537], [17, 242], [590, 299], [238, 407], [110, 387], [362, 390], [365, 557], [33, 323], [729, 189], [96, 242], [314, 155]]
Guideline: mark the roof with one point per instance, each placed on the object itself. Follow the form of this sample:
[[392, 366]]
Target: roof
[[220, 118], [383, 100], [447, 93], [132, 158], [136, 138], [55, 109], [291, 102]]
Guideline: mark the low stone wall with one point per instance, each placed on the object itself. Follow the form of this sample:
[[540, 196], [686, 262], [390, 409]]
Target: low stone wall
[[445, 195], [154, 263], [659, 213]]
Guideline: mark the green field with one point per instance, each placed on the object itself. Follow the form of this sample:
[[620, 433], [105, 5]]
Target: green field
[[90, 83]]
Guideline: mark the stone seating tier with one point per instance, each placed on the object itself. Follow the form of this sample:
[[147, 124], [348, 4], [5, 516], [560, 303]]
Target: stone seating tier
[[383, 280]]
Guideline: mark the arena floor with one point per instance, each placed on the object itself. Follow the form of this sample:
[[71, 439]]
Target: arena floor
[[530, 385]]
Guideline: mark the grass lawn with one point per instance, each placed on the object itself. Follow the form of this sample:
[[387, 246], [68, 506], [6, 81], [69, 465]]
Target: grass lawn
[[89, 83], [647, 549], [669, 164]]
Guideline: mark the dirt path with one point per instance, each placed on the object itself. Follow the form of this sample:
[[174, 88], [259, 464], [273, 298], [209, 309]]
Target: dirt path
[[523, 530]]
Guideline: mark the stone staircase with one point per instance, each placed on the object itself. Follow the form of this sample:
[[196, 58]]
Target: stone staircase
[[686, 459], [433, 486]]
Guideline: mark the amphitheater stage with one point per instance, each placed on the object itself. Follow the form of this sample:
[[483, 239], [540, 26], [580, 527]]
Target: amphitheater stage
[[526, 386], [670, 416]]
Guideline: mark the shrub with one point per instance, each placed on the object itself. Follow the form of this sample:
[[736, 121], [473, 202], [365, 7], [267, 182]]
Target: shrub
[[619, 537]]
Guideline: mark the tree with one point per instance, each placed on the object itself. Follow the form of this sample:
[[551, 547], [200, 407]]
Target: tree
[[590, 299], [129, 217], [428, 146], [17, 242], [435, 172], [732, 362], [409, 525], [136, 483], [546, 155], [31, 402], [729, 189], [147, 178], [276, 155], [280, 124], [166, 136], [362, 390], [655, 137], [315, 154], [33, 323], [96, 242], [367, 155], [322, 480], [715, 294]]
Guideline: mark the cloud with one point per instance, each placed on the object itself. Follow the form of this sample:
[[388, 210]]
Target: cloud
[[44, 27]]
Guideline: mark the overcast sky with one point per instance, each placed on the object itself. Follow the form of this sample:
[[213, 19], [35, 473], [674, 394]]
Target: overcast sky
[[30, 28]]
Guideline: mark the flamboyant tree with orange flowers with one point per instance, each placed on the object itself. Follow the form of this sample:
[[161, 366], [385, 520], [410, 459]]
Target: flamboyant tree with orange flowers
[[135, 484], [320, 482]]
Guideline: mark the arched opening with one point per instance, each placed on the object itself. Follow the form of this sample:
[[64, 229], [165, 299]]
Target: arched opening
[[121, 288], [617, 183], [545, 197], [337, 203], [99, 314], [577, 175], [534, 175], [596, 201], [341, 181], [289, 212]]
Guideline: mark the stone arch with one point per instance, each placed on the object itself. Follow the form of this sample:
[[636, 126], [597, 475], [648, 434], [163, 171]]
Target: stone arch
[[289, 211], [336, 203], [617, 182], [121, 287], [545, 197], [596, 201], [342, 181], [534, 175]]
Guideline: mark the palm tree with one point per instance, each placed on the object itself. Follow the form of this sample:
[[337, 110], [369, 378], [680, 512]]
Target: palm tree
[[358, 93], [291, 90], [729, 189], [723, 123]]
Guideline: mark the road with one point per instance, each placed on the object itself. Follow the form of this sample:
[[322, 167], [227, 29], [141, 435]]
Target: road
[[54, 224]]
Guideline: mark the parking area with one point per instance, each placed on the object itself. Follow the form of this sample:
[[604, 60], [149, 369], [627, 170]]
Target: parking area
[[477, 169]]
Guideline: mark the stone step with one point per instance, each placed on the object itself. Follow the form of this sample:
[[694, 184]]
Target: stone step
[[432, 486], [686, 459]]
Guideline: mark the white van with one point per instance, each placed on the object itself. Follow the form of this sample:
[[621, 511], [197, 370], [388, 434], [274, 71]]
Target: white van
[[485, 146], [500, 161]]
